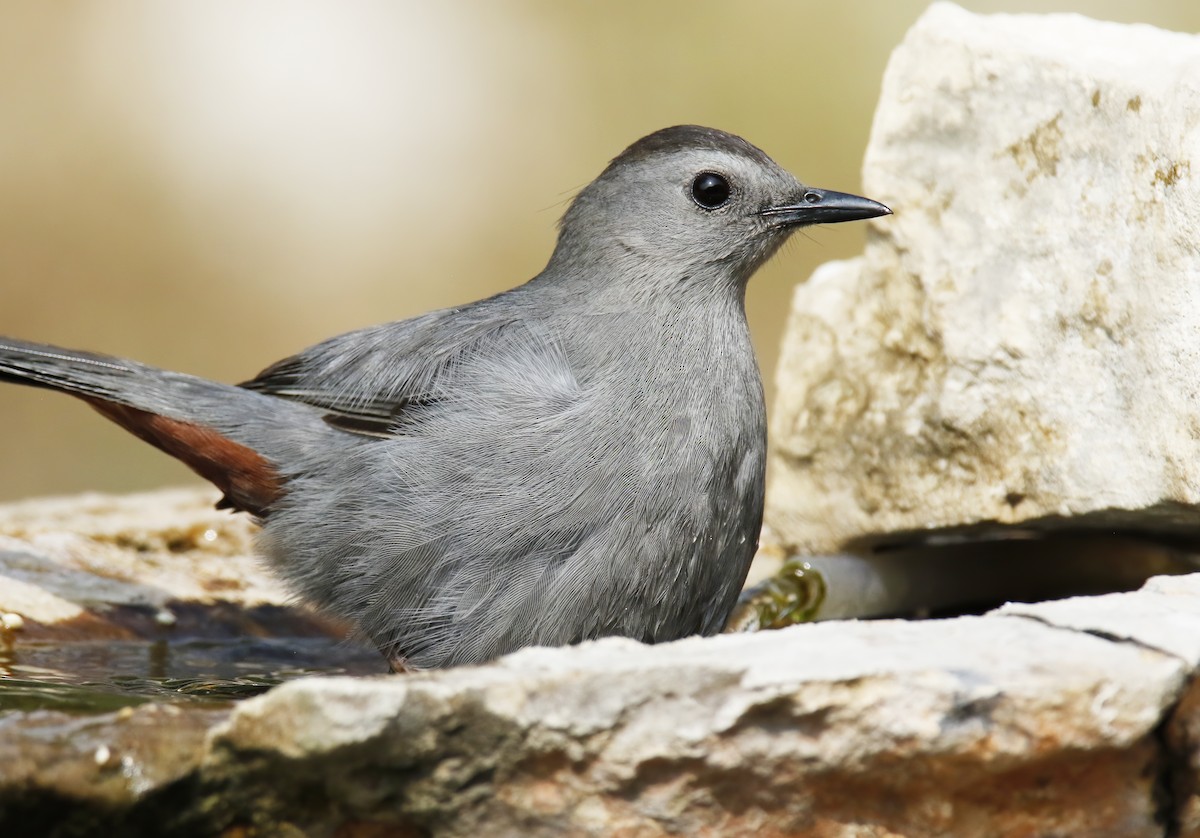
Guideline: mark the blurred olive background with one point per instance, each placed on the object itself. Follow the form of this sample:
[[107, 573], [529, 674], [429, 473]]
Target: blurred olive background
[[209, 186]]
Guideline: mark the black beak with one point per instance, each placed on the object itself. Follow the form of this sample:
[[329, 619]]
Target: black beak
[[822, 206]]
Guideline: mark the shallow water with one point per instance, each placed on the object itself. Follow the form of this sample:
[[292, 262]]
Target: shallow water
[[103, 676]]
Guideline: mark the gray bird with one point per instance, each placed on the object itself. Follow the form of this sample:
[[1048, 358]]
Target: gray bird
[[581, 456]]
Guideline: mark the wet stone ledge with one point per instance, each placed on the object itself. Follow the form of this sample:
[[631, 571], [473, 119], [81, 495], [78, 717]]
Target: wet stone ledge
[[1076, 717], [116, 601]]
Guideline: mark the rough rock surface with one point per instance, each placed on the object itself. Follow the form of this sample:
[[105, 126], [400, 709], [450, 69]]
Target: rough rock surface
[[116, 566], [109, 549], [1019, 342], [1071, 718]]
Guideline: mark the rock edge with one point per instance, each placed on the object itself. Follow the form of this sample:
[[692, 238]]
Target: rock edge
[[1072, 717]]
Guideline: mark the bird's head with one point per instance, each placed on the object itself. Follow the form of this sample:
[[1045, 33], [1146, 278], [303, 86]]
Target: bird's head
[[689, 201]]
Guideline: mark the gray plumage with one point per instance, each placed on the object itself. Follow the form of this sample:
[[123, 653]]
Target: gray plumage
[[578, 457]]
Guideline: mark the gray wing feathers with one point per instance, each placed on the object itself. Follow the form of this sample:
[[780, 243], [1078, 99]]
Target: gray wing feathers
[[372, 374]]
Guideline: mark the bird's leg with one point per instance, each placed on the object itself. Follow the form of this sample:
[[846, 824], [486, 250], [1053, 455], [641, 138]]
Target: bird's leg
[[399, 665]]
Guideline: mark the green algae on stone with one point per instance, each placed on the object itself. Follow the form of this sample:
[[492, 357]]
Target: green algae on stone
[[793, 595]]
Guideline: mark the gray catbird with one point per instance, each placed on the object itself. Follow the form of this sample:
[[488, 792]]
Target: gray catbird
[[578, 457]]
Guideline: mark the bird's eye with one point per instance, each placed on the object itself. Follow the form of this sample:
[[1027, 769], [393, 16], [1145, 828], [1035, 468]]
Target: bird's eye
[[710, 190]]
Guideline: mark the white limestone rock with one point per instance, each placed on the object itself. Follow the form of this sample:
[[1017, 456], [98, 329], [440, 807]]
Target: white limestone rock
[[1021, 341], [73, 559], [1165, 615], [977, 726]]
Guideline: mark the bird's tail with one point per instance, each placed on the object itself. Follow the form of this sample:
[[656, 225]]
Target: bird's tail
[[230, 436]]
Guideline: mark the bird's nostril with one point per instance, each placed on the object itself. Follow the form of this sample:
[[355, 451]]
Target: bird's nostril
[[812, 197]]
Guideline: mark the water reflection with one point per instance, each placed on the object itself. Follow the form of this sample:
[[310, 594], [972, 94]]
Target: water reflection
[[104, 676]]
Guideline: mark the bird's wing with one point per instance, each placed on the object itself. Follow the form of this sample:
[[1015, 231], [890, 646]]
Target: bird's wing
[[366, 380]]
